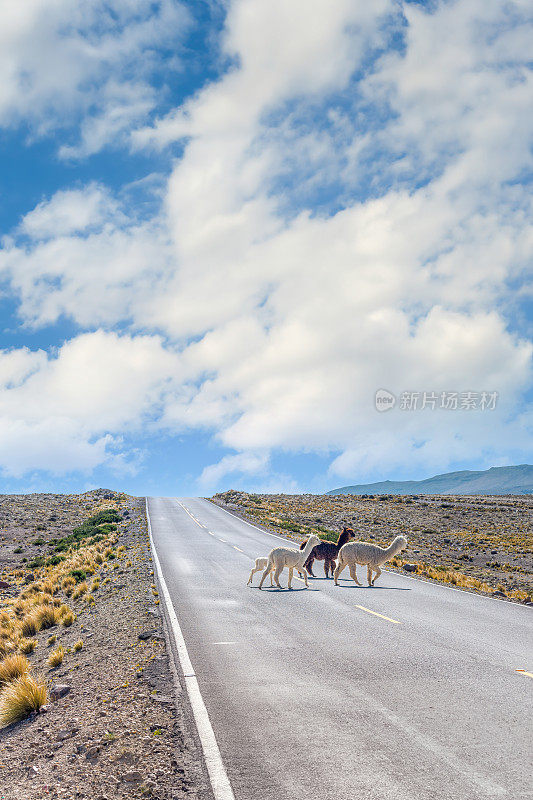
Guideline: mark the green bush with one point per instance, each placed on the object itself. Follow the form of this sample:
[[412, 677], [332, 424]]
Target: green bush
[[109, 515], [53, 561]]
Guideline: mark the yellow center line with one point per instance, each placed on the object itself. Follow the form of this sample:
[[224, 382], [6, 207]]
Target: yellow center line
[[238, 548], [523, 672], [375, 613]]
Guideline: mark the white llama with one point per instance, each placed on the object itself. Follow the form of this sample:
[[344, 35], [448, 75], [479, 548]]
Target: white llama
[[363, 553], [260, 564], [281, 557]]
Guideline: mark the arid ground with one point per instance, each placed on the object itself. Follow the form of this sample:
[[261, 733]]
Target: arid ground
[[87, 602]]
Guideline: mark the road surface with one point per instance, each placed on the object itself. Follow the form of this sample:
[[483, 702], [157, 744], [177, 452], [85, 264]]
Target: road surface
[[406, 690]]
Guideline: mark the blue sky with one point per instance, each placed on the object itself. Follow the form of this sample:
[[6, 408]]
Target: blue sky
[[226, 225]]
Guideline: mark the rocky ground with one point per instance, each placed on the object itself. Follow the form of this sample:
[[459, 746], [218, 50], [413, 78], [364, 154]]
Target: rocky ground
[[482, 544], [110, 727]]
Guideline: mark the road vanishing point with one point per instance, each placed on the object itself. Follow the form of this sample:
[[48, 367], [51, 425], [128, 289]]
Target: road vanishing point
[[408, 690]]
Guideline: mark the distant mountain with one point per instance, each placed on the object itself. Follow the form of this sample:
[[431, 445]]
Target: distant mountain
[[496, 480]]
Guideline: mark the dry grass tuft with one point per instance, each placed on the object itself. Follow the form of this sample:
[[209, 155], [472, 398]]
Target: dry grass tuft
[[47, 616], [78, 646], [30, 625], [51, 640], [12, 668], [27, 645], [68, 585], [67, 619], [81, 589], [20, 698], [56, 657]]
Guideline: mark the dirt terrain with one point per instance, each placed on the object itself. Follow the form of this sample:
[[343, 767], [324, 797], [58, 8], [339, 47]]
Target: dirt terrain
[[482, 544], [110, 727]]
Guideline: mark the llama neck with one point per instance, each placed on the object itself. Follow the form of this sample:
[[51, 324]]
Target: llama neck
[[391, 550], [307, 549], [343, 538]]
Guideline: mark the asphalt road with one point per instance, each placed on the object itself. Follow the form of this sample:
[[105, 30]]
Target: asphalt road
[[312, 696]]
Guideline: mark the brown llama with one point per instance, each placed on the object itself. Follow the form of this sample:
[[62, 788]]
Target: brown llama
[[327, 552]]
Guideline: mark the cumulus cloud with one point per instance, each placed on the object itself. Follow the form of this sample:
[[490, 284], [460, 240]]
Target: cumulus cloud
[[57, 411], [285, 299], [62, 62]]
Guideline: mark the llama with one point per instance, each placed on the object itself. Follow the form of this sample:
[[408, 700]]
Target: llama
[[281, 557], [327, 552], [260, 564], [370, 554]]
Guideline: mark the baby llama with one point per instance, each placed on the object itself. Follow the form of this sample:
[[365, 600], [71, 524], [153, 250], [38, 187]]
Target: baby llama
[[372, 555], [281, 557], [260, 564]]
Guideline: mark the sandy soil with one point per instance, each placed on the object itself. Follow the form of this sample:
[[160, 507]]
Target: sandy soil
[[117, 732]]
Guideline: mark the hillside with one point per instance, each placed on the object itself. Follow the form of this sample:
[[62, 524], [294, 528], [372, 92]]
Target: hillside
[[496, 480]]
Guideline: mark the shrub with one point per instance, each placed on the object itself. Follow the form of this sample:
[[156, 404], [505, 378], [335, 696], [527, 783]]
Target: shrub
[[108, 515], [56, 657], [78, 575], [27, 645], [12, 668], [53, 561], [20, 698]]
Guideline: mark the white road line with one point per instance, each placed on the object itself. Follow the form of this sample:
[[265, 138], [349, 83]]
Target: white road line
[[215, 766], [238, 548]]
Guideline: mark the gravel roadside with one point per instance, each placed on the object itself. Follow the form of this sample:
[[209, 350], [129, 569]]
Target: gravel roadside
[[112, 727]]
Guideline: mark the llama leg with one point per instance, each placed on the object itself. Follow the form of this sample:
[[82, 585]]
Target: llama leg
[[277, 573], [338, 569], [271, 581], [353, 574], [251, 576], [291, 571], [304, 573], [268, 569], [369, 575], [309, 565], [376, 576]]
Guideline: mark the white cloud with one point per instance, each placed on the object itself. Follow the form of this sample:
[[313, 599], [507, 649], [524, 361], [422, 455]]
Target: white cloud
[[248, 463], [90, 60], [70, 211], [64, 412], [287, 320]]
